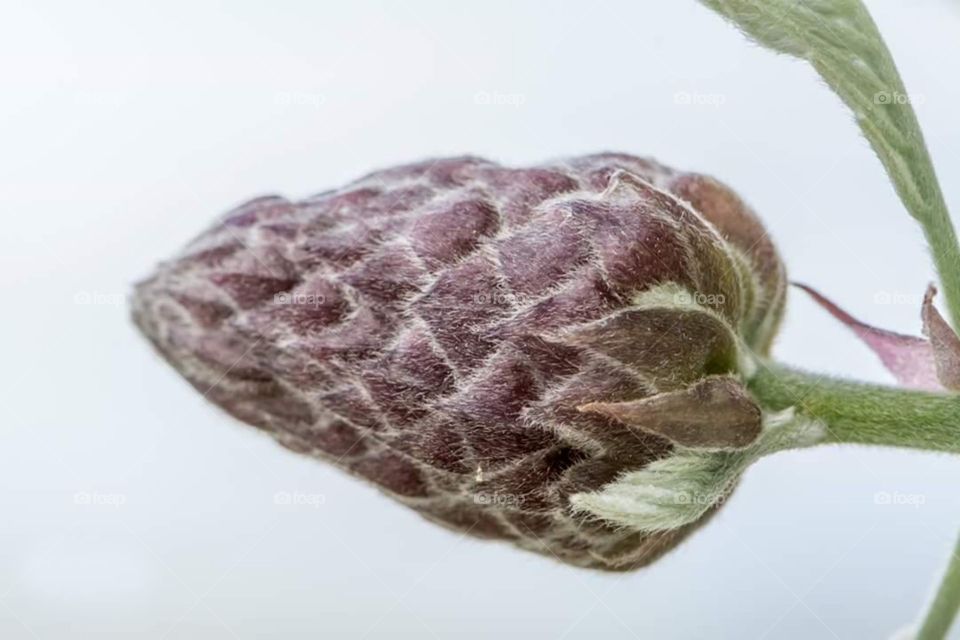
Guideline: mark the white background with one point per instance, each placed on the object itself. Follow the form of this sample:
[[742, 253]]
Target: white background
[[126, 126]]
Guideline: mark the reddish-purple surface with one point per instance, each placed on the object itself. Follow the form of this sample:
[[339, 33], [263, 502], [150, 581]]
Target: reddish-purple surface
[[928, 364], [434, 327]]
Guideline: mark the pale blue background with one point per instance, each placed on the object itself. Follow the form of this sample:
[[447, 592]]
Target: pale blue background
[[129, 508]]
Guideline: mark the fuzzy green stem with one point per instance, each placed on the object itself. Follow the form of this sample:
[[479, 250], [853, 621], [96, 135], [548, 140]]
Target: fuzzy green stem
[[859, 413], [842, 42], [940, 235], [944, 607]]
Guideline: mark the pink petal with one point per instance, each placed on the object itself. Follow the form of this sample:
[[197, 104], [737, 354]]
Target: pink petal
[[910, 359]]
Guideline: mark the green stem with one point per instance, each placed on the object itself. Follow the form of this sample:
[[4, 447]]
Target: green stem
[[842, 42], [859, 413], [942, 238], [943, 610]]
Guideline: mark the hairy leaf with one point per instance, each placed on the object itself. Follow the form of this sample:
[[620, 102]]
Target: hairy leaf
[[841, 41]]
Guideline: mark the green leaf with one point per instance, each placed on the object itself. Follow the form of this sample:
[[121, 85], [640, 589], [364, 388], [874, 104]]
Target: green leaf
[[680, 489], [841, 41]]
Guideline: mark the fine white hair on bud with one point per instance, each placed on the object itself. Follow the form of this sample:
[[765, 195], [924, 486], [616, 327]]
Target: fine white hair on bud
[[682, 488]]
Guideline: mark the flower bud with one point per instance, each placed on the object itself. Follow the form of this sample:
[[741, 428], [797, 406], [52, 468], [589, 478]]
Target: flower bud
[[483, 343]]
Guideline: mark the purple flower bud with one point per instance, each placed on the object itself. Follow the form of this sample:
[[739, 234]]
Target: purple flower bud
[[484, 342]]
